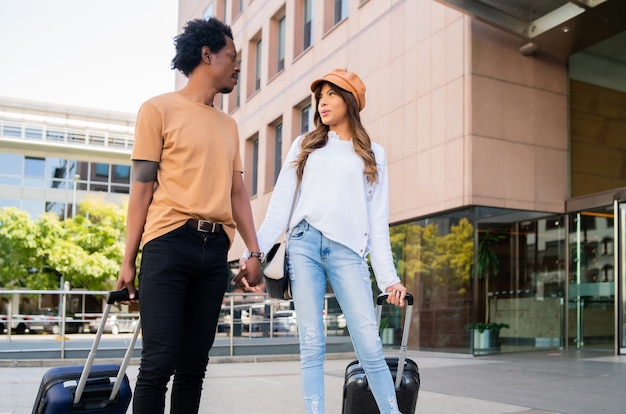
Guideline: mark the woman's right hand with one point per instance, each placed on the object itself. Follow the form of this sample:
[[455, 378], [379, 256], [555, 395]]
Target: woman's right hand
[[396, 294]]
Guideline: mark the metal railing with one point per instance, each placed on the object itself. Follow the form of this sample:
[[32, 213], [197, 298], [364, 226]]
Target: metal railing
[[243, 315]]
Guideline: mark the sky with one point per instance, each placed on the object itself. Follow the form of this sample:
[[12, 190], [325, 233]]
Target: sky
[[103, 54]]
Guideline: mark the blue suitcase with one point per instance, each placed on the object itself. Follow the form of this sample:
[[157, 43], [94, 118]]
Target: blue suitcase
[[58, 390], [94, 389], [357, 396]]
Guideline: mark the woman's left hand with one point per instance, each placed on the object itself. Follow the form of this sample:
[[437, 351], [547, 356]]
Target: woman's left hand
[[249, 275], [396, 295]]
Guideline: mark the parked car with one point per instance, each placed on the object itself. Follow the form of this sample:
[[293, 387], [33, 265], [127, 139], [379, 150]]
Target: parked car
[[285, 321], [47, 320], [224, 321], [18, 325], [116, 323], [335, 320], [256, 323]]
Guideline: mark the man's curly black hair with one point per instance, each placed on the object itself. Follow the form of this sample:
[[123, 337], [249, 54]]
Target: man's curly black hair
[[197, 34]]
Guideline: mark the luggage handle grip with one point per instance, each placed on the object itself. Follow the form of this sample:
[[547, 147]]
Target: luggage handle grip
[[119, 296], [383, 296]]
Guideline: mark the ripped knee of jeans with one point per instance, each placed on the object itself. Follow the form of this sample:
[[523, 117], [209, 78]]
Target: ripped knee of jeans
[[315, 403], [310, 334]]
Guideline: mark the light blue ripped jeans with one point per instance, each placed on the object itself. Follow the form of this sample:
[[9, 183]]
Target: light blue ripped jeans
[[312, 259]]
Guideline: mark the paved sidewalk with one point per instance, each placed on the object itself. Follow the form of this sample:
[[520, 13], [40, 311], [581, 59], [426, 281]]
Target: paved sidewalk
[[538, 382]]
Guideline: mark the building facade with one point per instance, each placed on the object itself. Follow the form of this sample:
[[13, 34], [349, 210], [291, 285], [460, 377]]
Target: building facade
[[53, 156], [504, 126]]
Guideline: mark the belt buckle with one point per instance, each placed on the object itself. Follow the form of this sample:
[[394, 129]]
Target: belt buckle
[[202, 223]]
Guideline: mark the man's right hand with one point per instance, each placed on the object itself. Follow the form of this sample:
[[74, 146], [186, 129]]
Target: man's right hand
[[126, 280]]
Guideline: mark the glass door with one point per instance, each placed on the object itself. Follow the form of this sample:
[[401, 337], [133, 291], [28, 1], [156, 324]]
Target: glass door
[[620, 261], [591, 310]]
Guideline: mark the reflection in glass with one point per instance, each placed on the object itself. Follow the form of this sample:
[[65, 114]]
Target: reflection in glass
[[434, 259], [437, 259]]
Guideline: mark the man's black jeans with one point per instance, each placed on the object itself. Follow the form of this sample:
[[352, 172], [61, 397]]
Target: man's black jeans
[[182, 280]]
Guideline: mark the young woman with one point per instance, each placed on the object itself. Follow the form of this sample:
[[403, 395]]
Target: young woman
[[341, 215]]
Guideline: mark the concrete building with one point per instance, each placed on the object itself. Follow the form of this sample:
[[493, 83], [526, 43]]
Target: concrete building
[[52, 156], [504, 126]]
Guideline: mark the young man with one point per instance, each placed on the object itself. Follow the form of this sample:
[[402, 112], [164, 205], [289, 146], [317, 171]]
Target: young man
[[186, 200]]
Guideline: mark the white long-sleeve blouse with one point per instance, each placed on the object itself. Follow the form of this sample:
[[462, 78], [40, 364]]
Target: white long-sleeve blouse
[[335, 198]]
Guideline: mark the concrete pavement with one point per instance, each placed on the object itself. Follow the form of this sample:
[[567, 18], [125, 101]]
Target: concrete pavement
[[537, 382]]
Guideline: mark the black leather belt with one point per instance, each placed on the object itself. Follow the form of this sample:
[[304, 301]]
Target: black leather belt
[[205, 226]]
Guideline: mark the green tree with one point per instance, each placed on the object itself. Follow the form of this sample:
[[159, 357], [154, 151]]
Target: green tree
[[19, 247], [87, 249]]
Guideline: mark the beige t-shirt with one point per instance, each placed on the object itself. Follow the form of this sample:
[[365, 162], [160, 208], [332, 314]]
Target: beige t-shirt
[[197, 148]]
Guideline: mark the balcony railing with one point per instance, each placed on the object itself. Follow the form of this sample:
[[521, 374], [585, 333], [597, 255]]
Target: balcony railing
[[29, 131]]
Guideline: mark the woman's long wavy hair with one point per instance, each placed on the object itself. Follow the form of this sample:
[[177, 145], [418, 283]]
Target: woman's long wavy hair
[[318, 138]]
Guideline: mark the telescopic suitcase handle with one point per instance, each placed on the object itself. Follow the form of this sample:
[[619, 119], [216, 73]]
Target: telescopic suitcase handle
[[112, 297], [405, 331]]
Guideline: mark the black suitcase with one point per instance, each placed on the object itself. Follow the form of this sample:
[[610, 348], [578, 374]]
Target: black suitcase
[[94, 389], [357, 396]]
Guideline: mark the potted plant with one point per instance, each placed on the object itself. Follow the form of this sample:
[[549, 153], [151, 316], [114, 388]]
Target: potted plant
[[486, 335]]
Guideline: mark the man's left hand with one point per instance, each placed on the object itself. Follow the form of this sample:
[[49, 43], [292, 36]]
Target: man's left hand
[[249, 276]]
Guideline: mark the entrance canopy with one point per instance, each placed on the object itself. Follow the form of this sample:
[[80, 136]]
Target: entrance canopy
[[560, 27]]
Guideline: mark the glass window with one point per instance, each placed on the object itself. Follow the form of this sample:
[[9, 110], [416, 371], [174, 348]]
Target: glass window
[[102, 170], [307, 32], [11, 169], [340, 11], [237, 8], [120, 189], [306, 119], [73, 167], [251, 164], [121, 180], [257, 70], [9, 202], [57, 172], [237, 88], [276, 52], [278, 150], [208, 12], [434, 259], [470, 269], [34, 172], [591, 310], [234, 98], [34, 207], [56, 208], [280, 64], [255, 167], [122, 172]]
